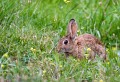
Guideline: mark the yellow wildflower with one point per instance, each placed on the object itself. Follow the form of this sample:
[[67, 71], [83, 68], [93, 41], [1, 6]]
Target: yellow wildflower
[[108, 63], [2, 66], [44, 71], [60, 66], [88, 49], [66, 1], [107, 50], [101, 80], [33, 50], [5, 55], [114, 48], [78, 31]]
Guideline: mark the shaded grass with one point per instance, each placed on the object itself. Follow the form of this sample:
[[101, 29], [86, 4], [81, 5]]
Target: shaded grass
[[30, 31]]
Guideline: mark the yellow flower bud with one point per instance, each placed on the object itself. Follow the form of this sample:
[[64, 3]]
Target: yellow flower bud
[[2, 66], [34, 50], [114, 48], [31, 49], [5, 55], [44, 71], [107, 50], [66, 1], [88, 49], [60, 66], [108, 63]]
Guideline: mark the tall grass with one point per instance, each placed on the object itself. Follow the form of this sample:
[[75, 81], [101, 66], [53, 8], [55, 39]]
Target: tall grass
[[30, 30]]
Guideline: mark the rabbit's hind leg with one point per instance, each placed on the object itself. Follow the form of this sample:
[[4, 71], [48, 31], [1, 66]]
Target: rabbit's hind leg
[[100, 50], [92, 54]]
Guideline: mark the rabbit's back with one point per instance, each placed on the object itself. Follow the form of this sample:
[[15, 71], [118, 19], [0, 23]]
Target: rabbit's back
[[88, 40]]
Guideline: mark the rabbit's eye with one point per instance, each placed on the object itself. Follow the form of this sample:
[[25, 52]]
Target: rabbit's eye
[[66, 42]]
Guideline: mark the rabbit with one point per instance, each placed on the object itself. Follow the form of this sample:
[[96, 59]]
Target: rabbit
[[75, 45]]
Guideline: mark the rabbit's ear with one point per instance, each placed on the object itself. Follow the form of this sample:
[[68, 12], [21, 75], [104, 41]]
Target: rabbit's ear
[[72, 28]]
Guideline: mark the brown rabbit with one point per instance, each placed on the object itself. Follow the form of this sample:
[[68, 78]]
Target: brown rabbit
[[71, 44]]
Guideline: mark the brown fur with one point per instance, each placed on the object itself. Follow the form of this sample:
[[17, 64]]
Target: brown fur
[[75, 45]]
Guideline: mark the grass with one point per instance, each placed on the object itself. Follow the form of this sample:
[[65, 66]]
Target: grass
[[30, 30]]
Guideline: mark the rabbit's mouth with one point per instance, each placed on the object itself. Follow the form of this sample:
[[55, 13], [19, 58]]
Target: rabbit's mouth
[[64, 50]]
